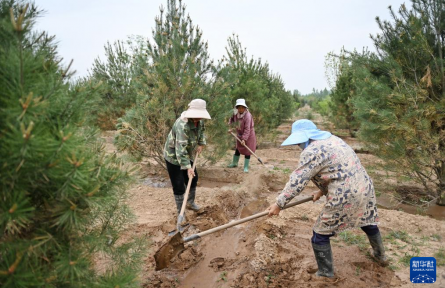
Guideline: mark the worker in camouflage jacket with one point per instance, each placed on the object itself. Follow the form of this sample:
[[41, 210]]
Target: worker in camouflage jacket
[[184, 140]]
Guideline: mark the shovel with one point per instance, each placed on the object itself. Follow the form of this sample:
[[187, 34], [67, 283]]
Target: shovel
[[176, 243], [179, 228], [259, 159]]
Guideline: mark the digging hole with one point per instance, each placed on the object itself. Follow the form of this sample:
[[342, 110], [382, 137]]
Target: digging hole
[[175, 253]]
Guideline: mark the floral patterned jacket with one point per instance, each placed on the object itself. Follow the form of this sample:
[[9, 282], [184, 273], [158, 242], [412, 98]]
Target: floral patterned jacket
[[336, 170]]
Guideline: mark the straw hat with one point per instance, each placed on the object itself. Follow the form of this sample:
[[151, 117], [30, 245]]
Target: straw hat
[[241, 102], [302, 131], [197, 109]]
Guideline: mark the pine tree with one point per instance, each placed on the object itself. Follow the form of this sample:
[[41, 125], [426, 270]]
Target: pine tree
[[341, 105], [400, 98], [62, 198], [268, 100], [117, 92], [170, 71]]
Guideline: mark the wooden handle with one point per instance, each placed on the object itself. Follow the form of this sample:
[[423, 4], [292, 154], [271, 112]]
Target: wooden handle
[[233, 134], [189, 184], [237, 222]]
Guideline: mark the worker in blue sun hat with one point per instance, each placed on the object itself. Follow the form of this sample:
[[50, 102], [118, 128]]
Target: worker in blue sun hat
[[336, 170]]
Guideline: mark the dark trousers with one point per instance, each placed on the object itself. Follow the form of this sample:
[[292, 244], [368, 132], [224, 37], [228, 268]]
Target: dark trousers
[[238, 154], [179, 178], [319, 239]]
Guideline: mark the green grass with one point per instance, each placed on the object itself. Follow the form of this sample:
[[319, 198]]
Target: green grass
[[398, 234], [440, 257], [378, 193], [222, 277], [351, 239], [304, 217], [286, 170], [405, 259], [436, 237]]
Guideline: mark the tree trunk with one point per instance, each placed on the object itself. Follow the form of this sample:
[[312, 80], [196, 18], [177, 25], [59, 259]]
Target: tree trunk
[[441, 195], [441, 187]]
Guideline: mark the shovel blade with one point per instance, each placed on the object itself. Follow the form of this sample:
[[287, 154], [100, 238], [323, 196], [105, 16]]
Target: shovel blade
[[179, 229], [168, 251]]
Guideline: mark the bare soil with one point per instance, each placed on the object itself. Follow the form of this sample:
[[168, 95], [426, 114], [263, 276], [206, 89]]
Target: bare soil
[[270, 252]]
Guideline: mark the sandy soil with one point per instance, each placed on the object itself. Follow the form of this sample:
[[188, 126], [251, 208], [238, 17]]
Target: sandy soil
[[269, 252]]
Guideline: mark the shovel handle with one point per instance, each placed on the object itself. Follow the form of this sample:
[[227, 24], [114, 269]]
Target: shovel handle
[[237, 222], [234, 135], [189, 184]]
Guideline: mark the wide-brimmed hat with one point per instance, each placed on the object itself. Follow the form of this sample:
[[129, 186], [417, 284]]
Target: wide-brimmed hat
[[240, 102], [197, 109], [302, 131]]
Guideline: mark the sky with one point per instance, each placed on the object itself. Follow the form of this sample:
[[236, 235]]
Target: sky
[[293, 36]]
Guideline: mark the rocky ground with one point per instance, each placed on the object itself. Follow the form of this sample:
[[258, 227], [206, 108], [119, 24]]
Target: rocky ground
[[276, 251]]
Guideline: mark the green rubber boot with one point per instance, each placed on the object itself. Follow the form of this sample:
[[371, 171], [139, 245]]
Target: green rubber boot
[[234, 162], [246, 165]]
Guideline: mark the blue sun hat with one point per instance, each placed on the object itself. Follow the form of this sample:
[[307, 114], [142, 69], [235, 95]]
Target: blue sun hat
[[304, 130]]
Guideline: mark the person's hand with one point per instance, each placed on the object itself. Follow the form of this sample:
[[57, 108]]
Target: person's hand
[[317, 195], [243, 142], [190, 173], [273, 210], [199, 149], [229, 131]]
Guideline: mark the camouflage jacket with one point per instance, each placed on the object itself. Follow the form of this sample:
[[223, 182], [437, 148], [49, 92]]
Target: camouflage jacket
[[182, 141]]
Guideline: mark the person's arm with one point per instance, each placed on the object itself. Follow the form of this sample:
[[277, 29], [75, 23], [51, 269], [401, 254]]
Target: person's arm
[[322, 186], [247, 124], [181, 147], [308, 167]]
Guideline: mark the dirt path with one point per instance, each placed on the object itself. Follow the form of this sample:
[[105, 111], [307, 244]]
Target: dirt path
[[269, 252]]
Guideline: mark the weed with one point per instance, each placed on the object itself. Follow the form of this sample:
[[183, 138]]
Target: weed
[[421, 210], [286, 170], [268, 278], [401, 235], [357, 271], [440, 257], [393, 267], [425, 238], [436, 237], [352, 239], [406, 259], [378, 193], [304, 217], [271, 236], [222, 277]]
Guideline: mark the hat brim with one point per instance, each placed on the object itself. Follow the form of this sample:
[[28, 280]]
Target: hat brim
[[295, 138], [241, 105], [197, 113], [302, 136]]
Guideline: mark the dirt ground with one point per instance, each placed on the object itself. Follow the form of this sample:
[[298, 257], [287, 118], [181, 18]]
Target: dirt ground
[[276, 251]]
